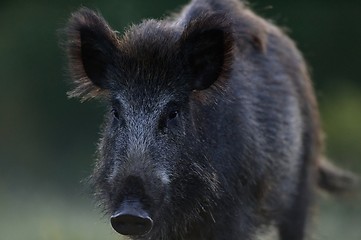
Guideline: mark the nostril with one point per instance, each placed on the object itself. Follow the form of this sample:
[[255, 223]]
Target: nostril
[[131, 219], [129, 224]]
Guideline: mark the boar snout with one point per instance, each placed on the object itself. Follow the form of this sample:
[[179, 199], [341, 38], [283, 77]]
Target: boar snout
[[131, 219]]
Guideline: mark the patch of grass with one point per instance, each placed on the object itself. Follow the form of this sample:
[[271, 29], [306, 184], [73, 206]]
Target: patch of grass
[[338, 219], [49, 216]]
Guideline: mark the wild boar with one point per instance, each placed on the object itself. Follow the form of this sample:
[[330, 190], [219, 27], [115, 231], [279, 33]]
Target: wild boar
[[212, 129]]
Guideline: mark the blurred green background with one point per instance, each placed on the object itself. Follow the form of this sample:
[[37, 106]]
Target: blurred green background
[[47, 142]]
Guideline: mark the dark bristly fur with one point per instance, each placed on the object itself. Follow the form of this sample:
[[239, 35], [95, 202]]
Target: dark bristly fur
[[213, 127]]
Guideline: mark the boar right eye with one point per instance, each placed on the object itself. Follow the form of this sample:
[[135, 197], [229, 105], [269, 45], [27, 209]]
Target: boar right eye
[[116, 110], [117, 116], [115, 113]]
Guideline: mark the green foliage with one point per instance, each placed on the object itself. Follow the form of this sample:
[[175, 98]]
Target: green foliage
[[342, 118]]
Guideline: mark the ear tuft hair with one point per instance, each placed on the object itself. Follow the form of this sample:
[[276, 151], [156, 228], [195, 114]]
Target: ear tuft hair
[[207, 44], [91, 47]]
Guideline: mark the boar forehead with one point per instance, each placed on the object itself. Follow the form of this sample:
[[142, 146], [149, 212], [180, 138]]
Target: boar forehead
[[142, 102], [149, 57]]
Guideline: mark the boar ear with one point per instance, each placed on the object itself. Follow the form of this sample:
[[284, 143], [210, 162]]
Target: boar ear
[[91, 49], [206, 45]]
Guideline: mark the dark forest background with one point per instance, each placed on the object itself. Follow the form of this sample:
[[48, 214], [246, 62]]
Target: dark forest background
[[47, 142]]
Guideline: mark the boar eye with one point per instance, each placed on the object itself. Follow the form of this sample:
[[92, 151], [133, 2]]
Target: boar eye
[[115, 113], [115, 110], [173, 114], [168, 121]]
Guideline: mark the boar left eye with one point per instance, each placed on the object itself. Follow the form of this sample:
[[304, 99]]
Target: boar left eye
[[173, 114], [168, 121]]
